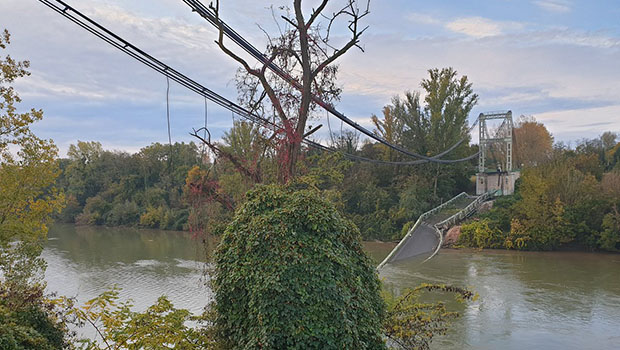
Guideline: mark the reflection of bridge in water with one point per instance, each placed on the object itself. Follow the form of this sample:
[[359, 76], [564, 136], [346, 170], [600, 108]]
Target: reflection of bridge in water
[[426, 235]]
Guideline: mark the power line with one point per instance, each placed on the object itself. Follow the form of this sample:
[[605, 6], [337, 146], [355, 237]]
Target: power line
[[141, 56], [168, 110], [213, 19]]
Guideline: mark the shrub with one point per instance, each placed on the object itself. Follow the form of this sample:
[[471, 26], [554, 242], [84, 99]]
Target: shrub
[[481, 234], [160, 326], [153, 217], [30, 323], [291, 273], [71, 210], [125, 213], [28, 318], [412, 323], [610, 237], [95, 211]]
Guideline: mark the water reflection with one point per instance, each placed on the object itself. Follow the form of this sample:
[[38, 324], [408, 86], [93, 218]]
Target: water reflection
[[85, 261], [527, 300]]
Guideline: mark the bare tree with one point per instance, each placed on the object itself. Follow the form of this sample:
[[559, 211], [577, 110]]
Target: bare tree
[[303, 49]]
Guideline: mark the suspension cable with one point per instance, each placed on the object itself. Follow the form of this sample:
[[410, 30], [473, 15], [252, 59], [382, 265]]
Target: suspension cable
[[141, 56], [213, 19]]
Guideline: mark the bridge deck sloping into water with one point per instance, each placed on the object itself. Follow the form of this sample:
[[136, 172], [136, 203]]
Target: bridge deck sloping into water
[[426, 235]]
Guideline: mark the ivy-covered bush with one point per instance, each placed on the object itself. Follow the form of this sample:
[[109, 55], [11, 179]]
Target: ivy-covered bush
[[291, 274]]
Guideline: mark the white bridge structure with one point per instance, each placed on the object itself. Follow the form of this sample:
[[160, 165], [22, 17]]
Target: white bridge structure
[[425, 237]]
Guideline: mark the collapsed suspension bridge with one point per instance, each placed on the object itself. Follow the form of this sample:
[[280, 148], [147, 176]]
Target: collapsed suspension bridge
[[425, 235]]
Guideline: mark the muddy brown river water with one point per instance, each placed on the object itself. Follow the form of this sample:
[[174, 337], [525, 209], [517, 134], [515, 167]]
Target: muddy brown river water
[[527, 300]]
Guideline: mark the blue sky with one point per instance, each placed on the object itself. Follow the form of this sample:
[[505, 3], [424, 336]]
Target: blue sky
[[558, 60]]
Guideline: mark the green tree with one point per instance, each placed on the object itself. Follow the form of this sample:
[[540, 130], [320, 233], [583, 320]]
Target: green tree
[[448, 101], [28, 170], [82, 174], [610, 237], [390, 128], [27, 163], [291, 273], [160, 327], [437, 125]]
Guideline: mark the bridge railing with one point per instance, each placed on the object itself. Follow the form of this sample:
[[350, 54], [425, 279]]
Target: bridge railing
[[442, 225], [417, 223], [464, 213]]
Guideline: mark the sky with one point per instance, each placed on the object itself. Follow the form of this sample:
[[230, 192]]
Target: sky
[[556, 60]]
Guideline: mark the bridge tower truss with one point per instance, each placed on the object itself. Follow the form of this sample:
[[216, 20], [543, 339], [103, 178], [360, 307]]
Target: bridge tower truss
[[498, 140]]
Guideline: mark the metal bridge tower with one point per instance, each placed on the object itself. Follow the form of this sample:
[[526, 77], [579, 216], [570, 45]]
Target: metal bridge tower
[[496, 139]]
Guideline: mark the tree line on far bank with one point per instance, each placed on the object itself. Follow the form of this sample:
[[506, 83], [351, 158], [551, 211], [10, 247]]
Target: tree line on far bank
[[178, 187], [567, 198]]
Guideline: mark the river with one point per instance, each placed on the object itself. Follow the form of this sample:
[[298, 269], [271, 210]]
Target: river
[[527, 300]]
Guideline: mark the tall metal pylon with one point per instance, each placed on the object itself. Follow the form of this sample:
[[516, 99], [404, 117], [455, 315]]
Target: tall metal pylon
[[500, 139]]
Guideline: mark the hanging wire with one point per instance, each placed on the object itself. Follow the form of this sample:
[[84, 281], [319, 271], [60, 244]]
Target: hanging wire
[[204, 147], [168, 109], [331, 135], [168, 119]]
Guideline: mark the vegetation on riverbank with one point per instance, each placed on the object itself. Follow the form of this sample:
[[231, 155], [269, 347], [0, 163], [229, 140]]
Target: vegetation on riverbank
[[569, 199], [28, 318], [280, 235], [180, 187]]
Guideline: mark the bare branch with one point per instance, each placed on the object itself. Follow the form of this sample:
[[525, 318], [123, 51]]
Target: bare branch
[[220, 43], [255, 72], [255, 106], [254, 175], [355, 15], [316, 12], [273, 15], [289, 21]]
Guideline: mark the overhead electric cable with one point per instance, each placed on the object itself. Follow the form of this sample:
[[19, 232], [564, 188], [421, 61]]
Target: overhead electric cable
[[331, 135], [168, 110], [213, 19], [133, 51], [203, 150]]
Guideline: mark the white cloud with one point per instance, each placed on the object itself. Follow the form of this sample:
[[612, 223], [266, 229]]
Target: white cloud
[[557, 6], [557, 74], [576, 124], [422, 18], [530, 73], [480, 27]]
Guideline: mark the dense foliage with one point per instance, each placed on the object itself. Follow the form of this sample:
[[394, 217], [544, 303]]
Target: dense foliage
[[160, 327], [146, 189], [290, 273], [412, 323], [568, 200], [116, 188], [28, 318]]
